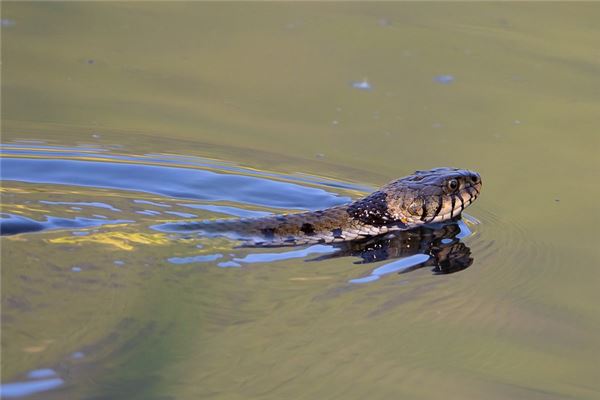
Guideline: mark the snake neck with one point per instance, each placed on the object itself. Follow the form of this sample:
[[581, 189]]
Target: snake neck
[[357, 220]]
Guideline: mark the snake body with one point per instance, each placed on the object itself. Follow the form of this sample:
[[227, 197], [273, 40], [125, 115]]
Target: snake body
[[424, 197]]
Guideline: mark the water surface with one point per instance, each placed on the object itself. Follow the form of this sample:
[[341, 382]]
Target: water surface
[[119, 117]]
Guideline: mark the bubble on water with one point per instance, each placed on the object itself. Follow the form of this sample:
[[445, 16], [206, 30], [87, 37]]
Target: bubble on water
[[444, 79], [362, 85], [5, 23], [385, 22]]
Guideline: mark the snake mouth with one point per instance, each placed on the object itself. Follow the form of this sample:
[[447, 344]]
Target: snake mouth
[[457, 202]]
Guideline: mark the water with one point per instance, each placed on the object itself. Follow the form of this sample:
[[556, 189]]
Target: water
[[117, 118]]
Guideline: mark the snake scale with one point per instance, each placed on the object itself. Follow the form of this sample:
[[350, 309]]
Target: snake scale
[[425, 197]]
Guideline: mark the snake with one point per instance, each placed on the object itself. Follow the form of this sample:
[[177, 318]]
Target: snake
[[423, 198]]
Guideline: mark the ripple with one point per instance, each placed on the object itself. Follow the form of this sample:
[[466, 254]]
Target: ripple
[[15, 224], [508, 242], [81, 203], [228, 210], [172, 182], [181, 214], [245, 192]]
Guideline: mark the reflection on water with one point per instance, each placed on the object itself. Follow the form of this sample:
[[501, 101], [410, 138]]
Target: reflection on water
[[39, 380], [437, 247], [286, 255], [181, 183], [27, 388], [11, 224]]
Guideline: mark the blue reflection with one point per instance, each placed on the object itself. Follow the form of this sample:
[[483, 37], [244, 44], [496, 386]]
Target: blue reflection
[[195, 259], [91, 153], [41, 373], [183, 183], [444, 79], [20, 389], [78, 355], [152, 203], [6, 23], [229, 264], [366, 279], [181, 214], [362, 85], [85, 204], [286, 255], [148, 212], [14, 224], [465, 231], [235, 211], [396, 266]]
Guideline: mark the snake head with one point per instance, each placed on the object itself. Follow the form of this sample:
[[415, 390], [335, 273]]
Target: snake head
[[431, 196]]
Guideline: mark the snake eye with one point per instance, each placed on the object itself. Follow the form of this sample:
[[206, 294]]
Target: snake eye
[[452, 185], [474, 179]]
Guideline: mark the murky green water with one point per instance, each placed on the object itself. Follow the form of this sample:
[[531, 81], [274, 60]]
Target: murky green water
[[120, 116]]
